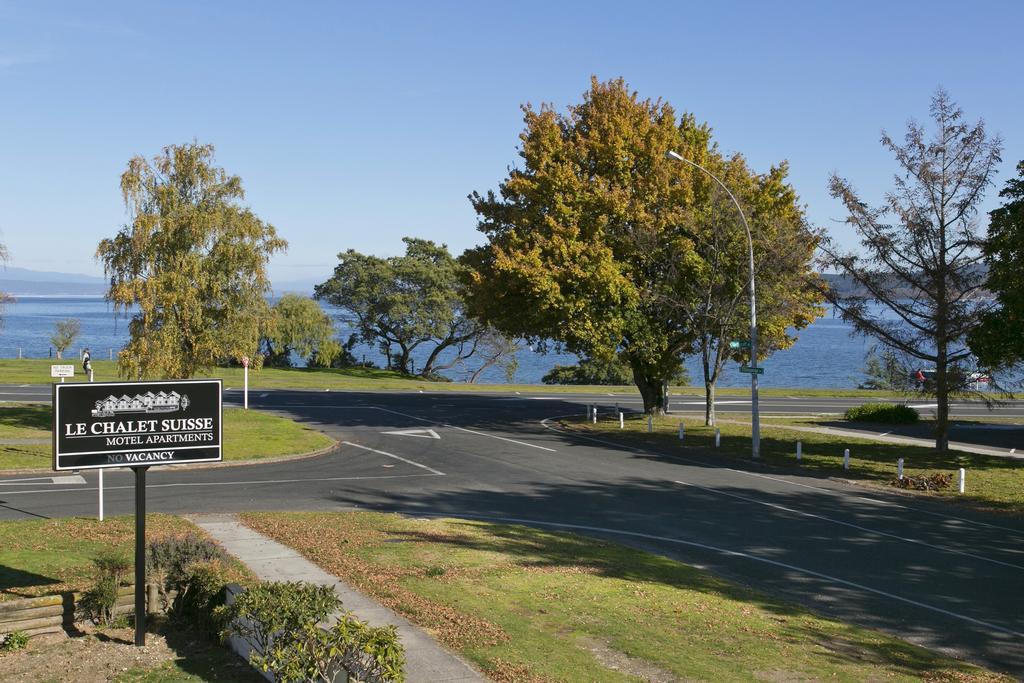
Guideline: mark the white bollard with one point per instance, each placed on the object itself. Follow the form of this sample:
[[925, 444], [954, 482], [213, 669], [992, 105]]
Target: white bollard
[[846, 459], [622, 420], [595, 414], [799, 450], [682, 431], [963, 479], [650, 424], [718, 437], [101, 494], [899, 469]]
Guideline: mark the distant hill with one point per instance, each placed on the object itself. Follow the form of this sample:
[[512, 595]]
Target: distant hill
[[24, 282], [847, 286]]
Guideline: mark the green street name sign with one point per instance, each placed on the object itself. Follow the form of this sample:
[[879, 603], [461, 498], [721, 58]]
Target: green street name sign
[[740, 344], [751, 371]]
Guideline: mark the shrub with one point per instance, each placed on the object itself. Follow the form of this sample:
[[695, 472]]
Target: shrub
[[201, 595], [169, 562], [15, 640], [98, 603], [887, 413], [280, 621]]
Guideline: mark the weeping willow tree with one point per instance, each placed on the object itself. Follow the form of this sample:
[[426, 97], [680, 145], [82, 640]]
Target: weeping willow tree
[[189, 265]]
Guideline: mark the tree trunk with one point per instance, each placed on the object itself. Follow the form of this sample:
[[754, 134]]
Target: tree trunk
[[942, 401], [403, 360], [651, 390], [709, 402]]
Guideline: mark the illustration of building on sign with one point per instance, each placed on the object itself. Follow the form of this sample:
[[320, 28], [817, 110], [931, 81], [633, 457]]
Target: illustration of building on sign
[[149, 402]]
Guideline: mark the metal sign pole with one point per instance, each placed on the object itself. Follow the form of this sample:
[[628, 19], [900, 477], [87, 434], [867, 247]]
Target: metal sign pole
[[140, 555]]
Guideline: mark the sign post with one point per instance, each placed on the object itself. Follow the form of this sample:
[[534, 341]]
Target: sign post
[[245, 382], [62, 371], [101, 425]]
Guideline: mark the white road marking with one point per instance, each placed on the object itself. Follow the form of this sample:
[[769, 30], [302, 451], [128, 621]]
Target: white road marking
[[924, 405], [463, 429], [396, 457], [224, 483], [263, 395], [846, 524], [731, 553], [76, 479], [420, 433]]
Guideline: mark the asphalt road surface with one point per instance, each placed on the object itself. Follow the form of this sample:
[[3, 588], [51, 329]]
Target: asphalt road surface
[[937, 575]]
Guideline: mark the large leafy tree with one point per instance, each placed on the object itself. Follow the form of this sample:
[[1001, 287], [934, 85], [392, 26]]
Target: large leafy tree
[[191, 264], [917, 280], [714, 299], [997, 341], [594, 241], [403, 302], [299, 326]]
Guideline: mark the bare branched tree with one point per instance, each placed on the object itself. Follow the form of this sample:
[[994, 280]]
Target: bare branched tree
[[917, 282]]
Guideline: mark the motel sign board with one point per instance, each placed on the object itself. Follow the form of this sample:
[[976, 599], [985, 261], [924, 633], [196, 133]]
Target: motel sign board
[[126, 424]]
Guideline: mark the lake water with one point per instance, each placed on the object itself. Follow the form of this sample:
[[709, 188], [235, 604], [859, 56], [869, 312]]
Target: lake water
[[825, 355]]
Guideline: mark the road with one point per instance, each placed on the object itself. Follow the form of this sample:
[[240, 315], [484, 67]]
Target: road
[[940, 576]]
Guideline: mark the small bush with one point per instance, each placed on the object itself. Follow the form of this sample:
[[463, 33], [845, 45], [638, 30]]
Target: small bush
[[280, 621], [112, 568], [15, 640], [169, 562], [886, 413], [201, 595]]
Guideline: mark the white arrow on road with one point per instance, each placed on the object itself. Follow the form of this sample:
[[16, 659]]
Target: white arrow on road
[[421, 433]]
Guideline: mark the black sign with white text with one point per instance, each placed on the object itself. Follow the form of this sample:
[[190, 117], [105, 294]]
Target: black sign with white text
[[125, 424]]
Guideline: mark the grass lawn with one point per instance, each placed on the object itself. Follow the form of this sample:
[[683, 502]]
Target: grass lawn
[[37, 371], [248, 435], [993, 482], [529, 605], [42, 557]]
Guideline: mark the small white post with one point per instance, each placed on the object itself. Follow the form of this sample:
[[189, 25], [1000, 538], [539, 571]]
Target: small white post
[[101, 494], [799, 450], [899, 469], [245, 382], [682, 431], [963, 479], [622, 420], [846, 459], [650, 424], [62, 379], [595, 414], [718, 437], [111, 356], [19, 353]]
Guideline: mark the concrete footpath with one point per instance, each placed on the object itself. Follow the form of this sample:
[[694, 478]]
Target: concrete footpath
[[425, 660]]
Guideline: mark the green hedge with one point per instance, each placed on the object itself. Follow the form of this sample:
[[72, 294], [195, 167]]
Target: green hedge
[[887, 413]]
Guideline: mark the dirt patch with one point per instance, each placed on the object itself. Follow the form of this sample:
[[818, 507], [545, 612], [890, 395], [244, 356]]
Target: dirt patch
[[101, 656], [623, 663]]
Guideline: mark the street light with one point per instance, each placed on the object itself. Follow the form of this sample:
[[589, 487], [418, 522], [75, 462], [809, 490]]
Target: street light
[[755, 415]]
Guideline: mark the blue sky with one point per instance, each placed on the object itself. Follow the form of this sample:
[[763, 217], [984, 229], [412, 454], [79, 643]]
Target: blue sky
[[353, 125]]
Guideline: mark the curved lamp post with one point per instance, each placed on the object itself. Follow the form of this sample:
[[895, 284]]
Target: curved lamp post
[[755, 416]]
